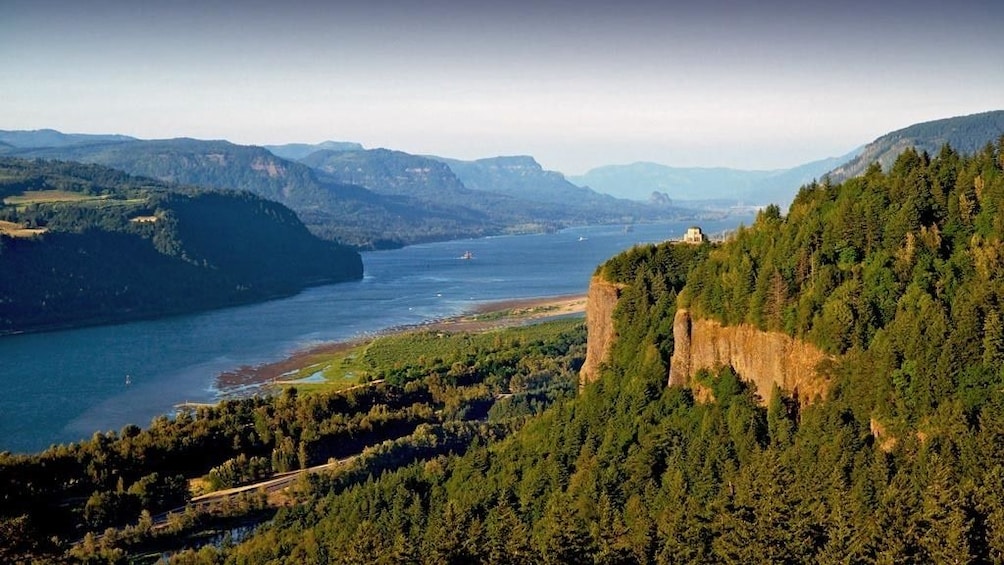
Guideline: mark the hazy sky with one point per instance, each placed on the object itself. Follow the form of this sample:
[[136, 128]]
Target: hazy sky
[[577, 84]]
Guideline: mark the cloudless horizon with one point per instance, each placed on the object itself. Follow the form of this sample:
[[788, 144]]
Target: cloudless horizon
[[575, 84]]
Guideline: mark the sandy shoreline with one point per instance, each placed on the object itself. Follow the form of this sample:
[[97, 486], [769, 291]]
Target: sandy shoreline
[[504, 313]]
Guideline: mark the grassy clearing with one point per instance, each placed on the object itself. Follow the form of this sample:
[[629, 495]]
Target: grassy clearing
[[12, 229], [21, 201], [328, 371], [418, 350], [515, 312], [48, 197]]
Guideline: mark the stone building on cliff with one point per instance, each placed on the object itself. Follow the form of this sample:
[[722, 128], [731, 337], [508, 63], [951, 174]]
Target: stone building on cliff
[[694, 235]]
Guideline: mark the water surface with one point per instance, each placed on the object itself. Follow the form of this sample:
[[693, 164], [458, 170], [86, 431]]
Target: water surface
[[62, 386]]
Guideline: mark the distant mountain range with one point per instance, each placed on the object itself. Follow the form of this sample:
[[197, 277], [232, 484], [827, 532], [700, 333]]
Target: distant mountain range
[[694, 186], [515, 190], [349, 214], [380, 198], [367, 198], [52, 138], [719, 185], [966, 134], [522, 177], [296, 151]]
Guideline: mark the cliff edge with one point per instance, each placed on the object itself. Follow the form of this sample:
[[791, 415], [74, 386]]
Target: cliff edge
[[762, 358], [600, 303]]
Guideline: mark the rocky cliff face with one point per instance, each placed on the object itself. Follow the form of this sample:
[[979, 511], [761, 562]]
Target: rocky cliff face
[[523, 177], [600, 304], [763, 358], [390, 172]]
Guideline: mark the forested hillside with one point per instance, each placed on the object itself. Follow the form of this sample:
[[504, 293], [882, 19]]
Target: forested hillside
[[966, 134], [83, 244], [900, 270], [898, 273]]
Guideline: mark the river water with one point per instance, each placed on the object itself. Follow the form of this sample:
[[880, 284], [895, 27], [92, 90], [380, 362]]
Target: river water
[[62, 386]]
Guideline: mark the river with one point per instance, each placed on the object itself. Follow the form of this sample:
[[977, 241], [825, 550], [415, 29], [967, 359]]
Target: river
[[62, 386]]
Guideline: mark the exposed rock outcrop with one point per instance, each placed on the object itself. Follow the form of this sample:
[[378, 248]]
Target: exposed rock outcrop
[[760, 357], [600, 304], [763, 358]]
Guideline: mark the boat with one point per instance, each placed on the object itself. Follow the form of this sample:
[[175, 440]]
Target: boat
[[128, 380], [467, 256], [581, 238]]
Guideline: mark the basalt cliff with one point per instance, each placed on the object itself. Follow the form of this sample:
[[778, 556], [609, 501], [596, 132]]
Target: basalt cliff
[[760, 357], [600, 304]]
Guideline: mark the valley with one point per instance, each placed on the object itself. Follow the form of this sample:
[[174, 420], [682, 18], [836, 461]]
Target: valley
[[817, 386]]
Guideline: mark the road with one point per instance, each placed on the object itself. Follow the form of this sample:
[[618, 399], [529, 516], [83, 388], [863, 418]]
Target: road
[[277, 482]]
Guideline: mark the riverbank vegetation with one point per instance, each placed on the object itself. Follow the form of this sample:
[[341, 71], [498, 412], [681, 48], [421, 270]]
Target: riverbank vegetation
[[461, 387]]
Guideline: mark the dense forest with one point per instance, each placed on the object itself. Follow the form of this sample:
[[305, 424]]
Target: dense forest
[[896, 273], [84, 244]]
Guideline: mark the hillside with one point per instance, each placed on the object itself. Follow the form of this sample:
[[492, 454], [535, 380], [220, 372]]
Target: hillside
[[508, 191], [83, 244], [966, 134], [391, 172], [331, 209]]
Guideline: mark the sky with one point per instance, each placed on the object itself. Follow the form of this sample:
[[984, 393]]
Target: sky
[[576, 84]]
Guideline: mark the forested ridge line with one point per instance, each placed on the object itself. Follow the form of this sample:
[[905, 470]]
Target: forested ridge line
[[83, 244]]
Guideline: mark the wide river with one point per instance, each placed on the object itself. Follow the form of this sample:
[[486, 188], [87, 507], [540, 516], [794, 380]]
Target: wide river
[[62, 386]]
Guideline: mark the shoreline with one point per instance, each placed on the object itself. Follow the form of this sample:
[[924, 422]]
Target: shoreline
[[484, 317]]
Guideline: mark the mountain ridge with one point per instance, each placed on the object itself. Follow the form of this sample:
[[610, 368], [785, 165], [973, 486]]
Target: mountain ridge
[[966, 134], [331, 209], [391, 212], [521, 176]]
